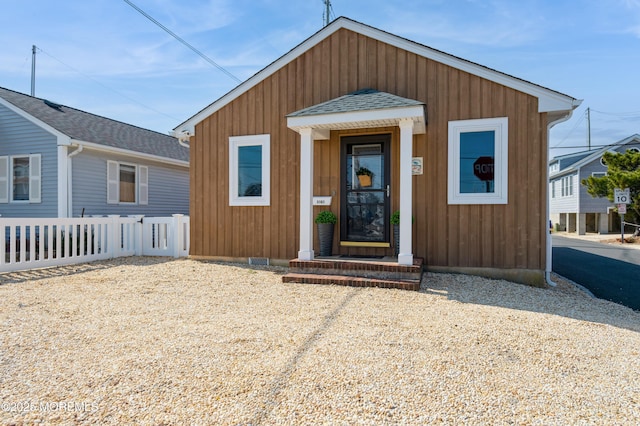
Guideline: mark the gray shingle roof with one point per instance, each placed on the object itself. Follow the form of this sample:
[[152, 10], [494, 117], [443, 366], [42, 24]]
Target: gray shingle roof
[[361, 100], [85, 127]]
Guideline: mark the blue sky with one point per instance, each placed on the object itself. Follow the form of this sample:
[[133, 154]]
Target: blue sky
[[104, 57]]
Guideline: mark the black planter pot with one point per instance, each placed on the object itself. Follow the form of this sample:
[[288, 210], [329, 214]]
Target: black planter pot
[[396, 240], [325, 237]]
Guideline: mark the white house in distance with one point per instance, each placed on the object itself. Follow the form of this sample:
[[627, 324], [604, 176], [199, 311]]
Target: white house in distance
[[571, 207]]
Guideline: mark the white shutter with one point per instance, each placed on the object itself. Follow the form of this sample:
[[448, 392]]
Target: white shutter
[[113, 182], [35, 178], [4, 179], [143, 185]]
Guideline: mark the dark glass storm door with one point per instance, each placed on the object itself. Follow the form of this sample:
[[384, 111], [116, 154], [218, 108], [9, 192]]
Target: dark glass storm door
[[364, 207]]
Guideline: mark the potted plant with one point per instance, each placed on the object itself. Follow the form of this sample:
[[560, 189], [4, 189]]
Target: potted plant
[[364, 176], [395, 221], [326, 221]]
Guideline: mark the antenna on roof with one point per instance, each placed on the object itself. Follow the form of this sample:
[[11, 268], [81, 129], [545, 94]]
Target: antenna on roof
[[33, 70], [327, 12]]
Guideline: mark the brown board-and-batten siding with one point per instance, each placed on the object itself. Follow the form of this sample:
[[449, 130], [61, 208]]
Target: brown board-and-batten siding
[[510, 236]]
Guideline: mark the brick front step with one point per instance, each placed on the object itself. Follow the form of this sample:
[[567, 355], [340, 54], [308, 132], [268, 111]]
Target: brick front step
[[369, 268], [350, 281]]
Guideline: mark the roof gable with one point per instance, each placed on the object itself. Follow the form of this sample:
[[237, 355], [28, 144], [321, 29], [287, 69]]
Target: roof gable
[[363, 108], [548, 100], [361, 100], [572, 162], [83, 127]]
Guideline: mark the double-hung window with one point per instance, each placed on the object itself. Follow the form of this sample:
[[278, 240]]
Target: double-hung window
[[567, 186], [249, 170], [478, 161], [20, 179], [127, 183]]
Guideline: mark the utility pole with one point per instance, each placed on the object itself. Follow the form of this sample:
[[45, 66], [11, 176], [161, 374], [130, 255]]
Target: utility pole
[[33, 70], [589, 128], [327, 13]]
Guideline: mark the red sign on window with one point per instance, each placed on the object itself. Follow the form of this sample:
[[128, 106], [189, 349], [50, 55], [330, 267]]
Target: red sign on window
[[483, 168]]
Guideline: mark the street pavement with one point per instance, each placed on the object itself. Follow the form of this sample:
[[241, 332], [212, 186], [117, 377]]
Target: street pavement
[[609, 271]]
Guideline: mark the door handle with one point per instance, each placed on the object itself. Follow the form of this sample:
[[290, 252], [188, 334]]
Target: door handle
[[387, 190]]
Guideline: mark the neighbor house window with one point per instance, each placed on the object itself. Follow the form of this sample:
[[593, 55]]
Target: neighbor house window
[[478, 161], [567, 186], [20, 179], [127, 183], [249, 170]]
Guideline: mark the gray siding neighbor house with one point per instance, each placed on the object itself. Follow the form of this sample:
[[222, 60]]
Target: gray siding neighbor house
[[57, 161], [571, 207]]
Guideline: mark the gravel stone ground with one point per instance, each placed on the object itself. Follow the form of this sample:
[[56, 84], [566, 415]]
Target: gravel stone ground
[[160, 341]]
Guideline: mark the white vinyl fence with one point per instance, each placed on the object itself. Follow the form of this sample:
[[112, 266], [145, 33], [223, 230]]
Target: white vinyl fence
[[41, 242]]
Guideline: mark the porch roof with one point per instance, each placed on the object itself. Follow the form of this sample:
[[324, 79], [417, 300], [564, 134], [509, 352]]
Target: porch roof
[[364, 108]]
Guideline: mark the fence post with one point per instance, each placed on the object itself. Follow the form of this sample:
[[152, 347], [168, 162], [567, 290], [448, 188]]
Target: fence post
[[137, 233], [177, 234], [113, 242]]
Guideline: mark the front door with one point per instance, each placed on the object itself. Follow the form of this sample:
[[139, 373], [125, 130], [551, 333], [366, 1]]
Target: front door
[[365, 206]]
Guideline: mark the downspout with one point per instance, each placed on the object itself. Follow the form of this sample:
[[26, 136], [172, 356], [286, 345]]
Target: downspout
[[547, 271], [70, 179], [182, 137]]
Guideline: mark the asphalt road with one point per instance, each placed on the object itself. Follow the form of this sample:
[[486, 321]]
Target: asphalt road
[[610, 272]]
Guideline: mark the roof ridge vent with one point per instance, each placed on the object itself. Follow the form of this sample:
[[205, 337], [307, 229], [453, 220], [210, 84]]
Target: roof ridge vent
[[53, 105]]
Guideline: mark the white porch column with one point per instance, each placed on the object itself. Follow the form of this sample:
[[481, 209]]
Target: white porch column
[[405, 254], [306, 194]]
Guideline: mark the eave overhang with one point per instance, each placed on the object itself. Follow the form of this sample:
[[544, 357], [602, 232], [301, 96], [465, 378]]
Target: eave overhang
[[360, 120]]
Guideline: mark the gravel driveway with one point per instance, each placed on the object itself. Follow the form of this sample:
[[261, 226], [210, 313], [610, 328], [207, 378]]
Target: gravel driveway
[[160, 341]]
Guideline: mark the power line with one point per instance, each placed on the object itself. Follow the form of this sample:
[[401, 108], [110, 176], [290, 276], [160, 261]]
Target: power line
[[575, 126], [582, 146], [181, 40], [106, 87], [618, 114]]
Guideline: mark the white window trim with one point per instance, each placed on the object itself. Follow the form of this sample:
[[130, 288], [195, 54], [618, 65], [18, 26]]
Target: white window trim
[[253, 140], [35, 179], [113, 185], [567, 186], [501, 167], [4, 179]]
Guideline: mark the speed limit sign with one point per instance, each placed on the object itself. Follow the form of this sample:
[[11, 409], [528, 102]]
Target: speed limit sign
[[621, 196]]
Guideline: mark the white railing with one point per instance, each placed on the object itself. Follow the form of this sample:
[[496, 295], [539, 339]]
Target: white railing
[[42, 242]]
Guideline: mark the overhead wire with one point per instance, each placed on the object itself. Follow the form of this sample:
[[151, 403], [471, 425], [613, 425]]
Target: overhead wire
[[570, 132], [185, 43], [618, 114], [105, 86]]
